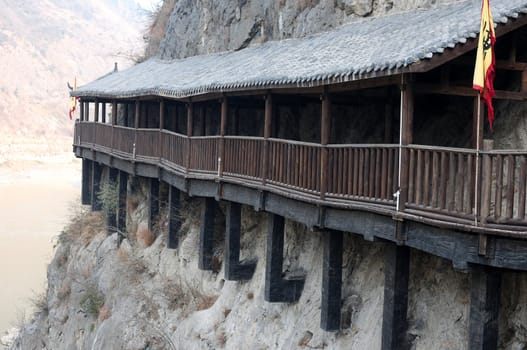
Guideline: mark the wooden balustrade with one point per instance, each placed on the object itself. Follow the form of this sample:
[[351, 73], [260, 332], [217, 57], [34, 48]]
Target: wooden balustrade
[[363, 171], [204, 153], [244, 157], [173, 148], [508, 170], [295, 164], [124, 139], [147, 143], [440, 180]]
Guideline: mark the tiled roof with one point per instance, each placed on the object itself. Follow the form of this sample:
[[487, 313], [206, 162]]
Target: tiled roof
[[375, 47]]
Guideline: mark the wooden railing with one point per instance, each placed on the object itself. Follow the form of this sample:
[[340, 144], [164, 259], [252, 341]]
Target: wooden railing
[[442, 182], [363, 171], [244, 157], [295, 164], [204, 153]]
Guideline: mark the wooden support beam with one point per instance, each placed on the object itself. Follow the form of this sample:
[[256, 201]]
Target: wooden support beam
[[81, 107], [325, 132], [396, 276], [96, 116], [111, 215], [162, 114], [121, 206], [467, 91], [114, 113], [331, 281], [190, 124], [96, 204], [206, 233], [268, 122], [234, 270], [137, 114], [103, 113], [86, 181], [223, 129], [87, 111], [484, 308], [406, 134], [277, 289], [174, 218], [153, 204]]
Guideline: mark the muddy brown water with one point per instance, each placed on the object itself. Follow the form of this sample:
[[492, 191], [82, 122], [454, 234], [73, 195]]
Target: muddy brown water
[[33, 211]]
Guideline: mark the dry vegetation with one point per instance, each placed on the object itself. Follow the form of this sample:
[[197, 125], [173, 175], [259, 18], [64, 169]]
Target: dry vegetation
[[156, 29]]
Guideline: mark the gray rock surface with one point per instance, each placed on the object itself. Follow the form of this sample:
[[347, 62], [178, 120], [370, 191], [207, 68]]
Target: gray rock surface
[[201, 27]]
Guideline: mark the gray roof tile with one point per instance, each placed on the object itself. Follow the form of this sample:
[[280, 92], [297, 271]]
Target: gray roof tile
[[378, 46]]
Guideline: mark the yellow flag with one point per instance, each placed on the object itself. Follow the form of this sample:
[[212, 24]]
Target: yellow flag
[[73, 100], [485, 68]]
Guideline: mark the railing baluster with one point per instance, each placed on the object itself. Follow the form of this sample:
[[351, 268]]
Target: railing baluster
[[521, 189], [510, 186], [419, 182], [426, 182], [459, 183], [443, 183], [499, 187], [435, 179], [412, 170]]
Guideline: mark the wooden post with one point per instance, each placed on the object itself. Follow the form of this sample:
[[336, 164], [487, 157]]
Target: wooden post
[[331, 281], [137, 114], [484, 308], [161, 150], [267, 134], [81, 105], [96, 205], [96, 115], [325, 130], [174, 219], [486, 181], [277, 289], [111, 215], [206, 234], [121, 206], [223, 129], [86, 181], [475, 124], [234, 270], [190, 124], [103, 113], [114, 113], [396, 276], [406, 135], [154, 204], [87, 111]]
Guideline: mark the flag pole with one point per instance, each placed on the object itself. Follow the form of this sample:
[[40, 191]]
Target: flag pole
[[477, 160]]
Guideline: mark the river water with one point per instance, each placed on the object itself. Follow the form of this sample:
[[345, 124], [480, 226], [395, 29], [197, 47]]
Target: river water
[[35, 205]]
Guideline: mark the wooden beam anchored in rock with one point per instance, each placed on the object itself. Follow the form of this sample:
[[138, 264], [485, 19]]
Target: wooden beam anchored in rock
[[121, 205], [278, 289], [174, 220], [396, 276], [331, 281], [234, 269], [484, 308], [206, 233], [96, 204], [154, 204], [111, 213], [86, 181]]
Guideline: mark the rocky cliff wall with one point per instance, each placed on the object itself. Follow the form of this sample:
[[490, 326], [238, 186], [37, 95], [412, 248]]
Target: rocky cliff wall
[[205, 26]]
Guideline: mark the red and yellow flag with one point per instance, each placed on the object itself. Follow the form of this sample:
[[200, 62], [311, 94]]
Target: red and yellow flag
[[485, 69], [73, 100]]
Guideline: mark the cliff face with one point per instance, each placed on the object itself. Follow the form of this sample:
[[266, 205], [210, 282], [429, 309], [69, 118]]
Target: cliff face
[[205, 26]]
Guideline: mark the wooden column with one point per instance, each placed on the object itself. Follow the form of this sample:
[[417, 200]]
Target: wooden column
[[86, 181], [87, 111], [111, 215], [223, 129], [234, 270], [475, 140], [161, 150], [114, 112], [206, 234], [396, 276], [325, 130], [121, 210], [331, 281], [277, 289], [81, 105], [96, 186], [96, 115], [103, 113], [190, 124], [153, 204], [406, 134], [484, 308], [174, 219], [137, 114], [267, 134]]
